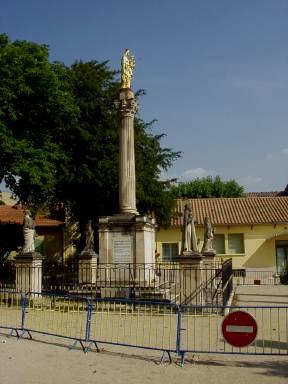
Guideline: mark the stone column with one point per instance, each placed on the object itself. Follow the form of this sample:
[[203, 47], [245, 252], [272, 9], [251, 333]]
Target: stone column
[[127, 107]]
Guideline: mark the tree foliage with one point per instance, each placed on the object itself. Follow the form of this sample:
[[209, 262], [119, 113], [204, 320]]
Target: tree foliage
[[207, 187], [59, 136], [36, 106]]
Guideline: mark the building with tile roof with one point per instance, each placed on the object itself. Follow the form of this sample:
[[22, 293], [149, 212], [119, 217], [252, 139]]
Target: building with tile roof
[[253, 231], [268, 194], [50, 240], [15, 215]]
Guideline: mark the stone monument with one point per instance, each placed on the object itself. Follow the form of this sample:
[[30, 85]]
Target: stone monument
[[88, 258], [127, 237], [28, 262], [127, 108], [190, 261]]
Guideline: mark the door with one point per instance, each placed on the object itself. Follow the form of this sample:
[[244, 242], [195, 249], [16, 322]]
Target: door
[[281, 256]]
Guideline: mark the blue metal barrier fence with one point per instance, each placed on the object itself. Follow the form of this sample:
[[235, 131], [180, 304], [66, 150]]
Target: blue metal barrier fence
[[156, 326]]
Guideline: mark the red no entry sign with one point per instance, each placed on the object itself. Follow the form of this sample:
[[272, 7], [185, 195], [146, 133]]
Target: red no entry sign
[[239, 328]]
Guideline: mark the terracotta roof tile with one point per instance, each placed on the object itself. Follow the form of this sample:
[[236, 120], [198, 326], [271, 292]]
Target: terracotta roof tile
[[233, 211], [15, 215], [263, 194]]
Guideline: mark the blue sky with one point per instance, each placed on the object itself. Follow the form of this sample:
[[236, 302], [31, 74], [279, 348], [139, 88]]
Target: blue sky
[[215, 72]]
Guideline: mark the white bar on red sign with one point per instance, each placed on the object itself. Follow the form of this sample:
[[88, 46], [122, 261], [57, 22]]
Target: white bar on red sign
[[239, 328]]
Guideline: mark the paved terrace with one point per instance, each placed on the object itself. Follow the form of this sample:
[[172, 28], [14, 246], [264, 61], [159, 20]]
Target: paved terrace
[[261, 295]]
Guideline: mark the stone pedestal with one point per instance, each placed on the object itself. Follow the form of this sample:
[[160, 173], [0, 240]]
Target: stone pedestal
[[210, 269], [191, 278], [88, 267], [126, 246], [29, 272], [209, 257]]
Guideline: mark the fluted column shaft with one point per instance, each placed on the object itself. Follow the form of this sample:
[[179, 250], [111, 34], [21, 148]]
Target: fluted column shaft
[[127, 108]]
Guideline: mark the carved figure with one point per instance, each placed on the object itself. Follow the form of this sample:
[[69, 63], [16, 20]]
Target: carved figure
[[127, 66], [208, 236], [189, 239], [89, 237], [28, 233]]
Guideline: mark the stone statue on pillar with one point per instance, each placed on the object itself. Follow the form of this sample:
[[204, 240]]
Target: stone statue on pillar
[[189, 239], [127, 108], [28, 262], [190, 261], [29, 233], [88, 258], [126, 237], [208, 237]]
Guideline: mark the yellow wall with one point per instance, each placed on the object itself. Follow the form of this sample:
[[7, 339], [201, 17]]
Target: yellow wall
[[259, 243], [53, 242]]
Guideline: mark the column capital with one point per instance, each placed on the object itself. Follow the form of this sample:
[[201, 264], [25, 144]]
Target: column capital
[[126, 105]]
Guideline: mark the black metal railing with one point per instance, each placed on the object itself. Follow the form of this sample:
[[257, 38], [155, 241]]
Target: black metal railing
[[166, 282], [227, 280], [7, 274]]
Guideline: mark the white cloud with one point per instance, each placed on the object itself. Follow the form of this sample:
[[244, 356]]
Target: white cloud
[[250, 180], [193, 173], [284, 151]]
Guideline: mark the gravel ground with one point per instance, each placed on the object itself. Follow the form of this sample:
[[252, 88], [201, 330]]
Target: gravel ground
[[46, 361]]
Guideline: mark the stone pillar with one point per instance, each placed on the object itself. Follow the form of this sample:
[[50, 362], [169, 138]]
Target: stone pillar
[[145, 249], [88, 267], [210, 273], [190, 278], [29, 272], [127, 107]]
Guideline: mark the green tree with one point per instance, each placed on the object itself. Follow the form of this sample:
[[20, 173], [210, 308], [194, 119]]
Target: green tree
[[207, 187], [59, 136], [153, 195], [36, 108]]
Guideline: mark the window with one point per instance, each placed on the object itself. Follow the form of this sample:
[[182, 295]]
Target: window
[[169, 251], [236, 243], [219, 244]]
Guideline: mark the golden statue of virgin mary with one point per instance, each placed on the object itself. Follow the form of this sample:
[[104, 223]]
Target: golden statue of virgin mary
[[127, 66]]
